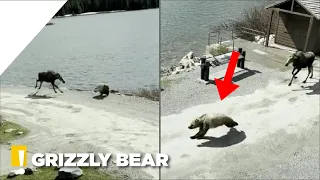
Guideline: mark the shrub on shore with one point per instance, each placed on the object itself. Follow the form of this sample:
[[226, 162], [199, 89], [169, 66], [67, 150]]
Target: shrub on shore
[[219, 50], [255, 18]]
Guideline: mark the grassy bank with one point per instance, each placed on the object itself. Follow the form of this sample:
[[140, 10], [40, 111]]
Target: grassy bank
[[49, 173], [6, 137]]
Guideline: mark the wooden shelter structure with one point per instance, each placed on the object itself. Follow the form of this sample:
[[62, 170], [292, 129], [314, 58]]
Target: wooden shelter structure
[[298, 24]]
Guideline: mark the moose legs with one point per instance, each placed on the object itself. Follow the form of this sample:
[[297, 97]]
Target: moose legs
[[36, 83], [310, 71], [39, 86], [53, 86], [294, 74]]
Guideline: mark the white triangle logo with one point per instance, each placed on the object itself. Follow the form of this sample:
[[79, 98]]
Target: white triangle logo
[[20, 22]]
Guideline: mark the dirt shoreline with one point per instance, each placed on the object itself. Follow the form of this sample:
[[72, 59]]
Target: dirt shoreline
[[75, 122]]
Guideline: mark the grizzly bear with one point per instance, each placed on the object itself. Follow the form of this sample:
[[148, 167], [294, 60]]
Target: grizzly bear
[[206, 121], [102, 89]]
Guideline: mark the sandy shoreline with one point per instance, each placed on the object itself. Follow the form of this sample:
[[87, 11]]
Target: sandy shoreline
[[75, 122], [277, 136]]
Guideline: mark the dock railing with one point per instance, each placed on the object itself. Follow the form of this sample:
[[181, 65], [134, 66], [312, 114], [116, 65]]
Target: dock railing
[[215, 36]]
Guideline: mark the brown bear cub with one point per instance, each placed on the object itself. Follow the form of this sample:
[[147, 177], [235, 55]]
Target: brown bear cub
[[206, 122]]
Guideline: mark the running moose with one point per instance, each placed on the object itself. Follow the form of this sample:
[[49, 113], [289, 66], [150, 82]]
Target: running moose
[[49, 77]]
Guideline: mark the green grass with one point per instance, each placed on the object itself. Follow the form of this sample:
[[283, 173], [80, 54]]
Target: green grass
[[221, 49], [165, 83], [6, 137], [45, 173], [49, 173]]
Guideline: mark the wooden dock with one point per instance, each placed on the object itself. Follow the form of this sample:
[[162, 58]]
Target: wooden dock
[[221, 74]]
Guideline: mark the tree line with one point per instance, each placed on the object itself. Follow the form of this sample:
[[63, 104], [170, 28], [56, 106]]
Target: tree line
[[82, 6]]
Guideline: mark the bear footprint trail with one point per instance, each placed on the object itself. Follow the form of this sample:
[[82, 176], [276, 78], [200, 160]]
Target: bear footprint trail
[[210, 121]]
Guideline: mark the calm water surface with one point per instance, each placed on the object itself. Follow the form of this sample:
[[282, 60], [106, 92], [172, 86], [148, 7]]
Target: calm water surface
[[185, 24], [121, 49]]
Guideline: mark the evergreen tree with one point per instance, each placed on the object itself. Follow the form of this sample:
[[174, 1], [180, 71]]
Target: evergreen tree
[[82, 6]]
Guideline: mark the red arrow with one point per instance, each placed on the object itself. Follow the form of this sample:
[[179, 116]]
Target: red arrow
[[225, 86]]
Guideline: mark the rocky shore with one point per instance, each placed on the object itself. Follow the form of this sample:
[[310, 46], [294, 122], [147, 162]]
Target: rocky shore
[[215, 52], [189, 62]]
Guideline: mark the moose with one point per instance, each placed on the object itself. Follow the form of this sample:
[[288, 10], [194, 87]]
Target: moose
[[301, 60], [50, 77]]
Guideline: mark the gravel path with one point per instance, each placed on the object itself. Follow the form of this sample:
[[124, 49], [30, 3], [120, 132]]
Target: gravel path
[[184, 91], [277, 136]]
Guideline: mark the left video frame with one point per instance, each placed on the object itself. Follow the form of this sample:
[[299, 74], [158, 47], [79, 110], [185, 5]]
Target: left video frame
[[87, 83]]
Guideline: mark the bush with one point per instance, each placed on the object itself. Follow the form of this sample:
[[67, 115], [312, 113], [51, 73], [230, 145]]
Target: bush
[[218, 50], [255, 18]]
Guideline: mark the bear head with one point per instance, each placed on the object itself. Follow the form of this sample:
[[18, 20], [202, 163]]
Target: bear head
[[195, 123]]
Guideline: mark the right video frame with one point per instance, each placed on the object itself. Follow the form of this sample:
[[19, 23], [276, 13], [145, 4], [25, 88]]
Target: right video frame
[[240, 87]]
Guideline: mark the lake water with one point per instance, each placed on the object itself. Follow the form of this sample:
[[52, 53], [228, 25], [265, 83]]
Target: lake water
[[185, 24], [121, 49]]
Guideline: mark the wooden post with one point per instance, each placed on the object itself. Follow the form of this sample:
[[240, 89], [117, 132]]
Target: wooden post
[[207, 69], [232, 40], [238, 62], [203, 60], [292, 4], [308, 34], [269, 28], [242, 61], [278, 13]]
